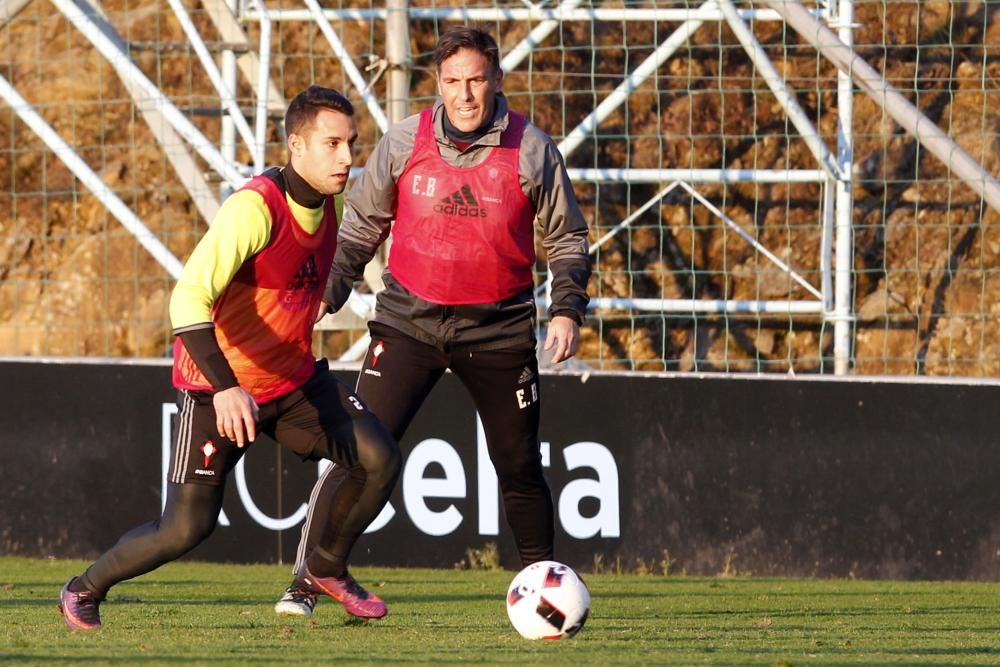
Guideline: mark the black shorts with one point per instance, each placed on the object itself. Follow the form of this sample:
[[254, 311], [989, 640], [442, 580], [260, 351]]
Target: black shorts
[[315, 421]]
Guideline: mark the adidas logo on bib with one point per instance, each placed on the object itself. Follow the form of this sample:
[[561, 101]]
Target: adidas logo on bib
[[461, 202]]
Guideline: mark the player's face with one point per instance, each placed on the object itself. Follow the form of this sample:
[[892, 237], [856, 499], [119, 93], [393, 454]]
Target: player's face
[[324, 152], [468, 85]]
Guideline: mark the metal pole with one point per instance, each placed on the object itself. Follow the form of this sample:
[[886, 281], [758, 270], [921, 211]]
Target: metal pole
[[316, 12], [227, 133], [537, 35], [843, 307], [620, 94], [11, 8], [778, 87], [263, 88], [828, 210], [153, 97], [706, 12], [397, 51], [90, 179], [397, 102], [933, 138], [223, 16], [605, 175], [188, 170], [226, 93], [703, 306]]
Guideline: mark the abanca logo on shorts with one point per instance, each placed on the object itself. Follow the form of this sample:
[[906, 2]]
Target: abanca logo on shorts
[[462, 203]]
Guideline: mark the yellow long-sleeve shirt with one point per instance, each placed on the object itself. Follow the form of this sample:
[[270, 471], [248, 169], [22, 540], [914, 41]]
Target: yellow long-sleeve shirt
[[241, 229]]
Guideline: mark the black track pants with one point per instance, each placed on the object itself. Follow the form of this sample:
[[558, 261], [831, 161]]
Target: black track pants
[[397, 376]]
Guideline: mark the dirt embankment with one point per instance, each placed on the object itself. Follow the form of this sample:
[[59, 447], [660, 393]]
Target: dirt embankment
[[74, 282]]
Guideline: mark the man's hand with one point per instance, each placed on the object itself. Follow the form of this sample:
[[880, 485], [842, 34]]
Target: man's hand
[[236, 415], [321, 311], [564, 335]]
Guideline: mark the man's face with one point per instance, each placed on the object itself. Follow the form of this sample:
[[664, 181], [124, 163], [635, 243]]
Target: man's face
[[324, 152], [468, 85]]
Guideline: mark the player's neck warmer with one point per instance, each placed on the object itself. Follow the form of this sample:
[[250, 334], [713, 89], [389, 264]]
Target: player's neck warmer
[[463, 235], [465, 137], [299, 190]]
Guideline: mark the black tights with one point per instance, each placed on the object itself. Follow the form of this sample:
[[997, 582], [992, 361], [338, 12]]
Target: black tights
[[191, 513], [368, 479], [371, 465], [189, 517]]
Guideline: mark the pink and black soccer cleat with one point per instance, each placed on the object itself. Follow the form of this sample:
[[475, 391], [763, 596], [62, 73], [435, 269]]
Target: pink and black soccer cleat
[[348, 592], [81, 611]]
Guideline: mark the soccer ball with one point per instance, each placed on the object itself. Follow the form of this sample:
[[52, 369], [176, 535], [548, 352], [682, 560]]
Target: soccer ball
[[547, 600]]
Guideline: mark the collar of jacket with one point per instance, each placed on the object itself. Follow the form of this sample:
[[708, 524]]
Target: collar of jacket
[[492, 136]]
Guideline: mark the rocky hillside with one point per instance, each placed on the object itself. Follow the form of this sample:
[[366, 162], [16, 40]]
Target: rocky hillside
[[73, 282]]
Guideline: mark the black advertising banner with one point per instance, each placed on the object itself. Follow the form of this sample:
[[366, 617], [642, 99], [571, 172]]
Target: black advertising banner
[[885, 478]]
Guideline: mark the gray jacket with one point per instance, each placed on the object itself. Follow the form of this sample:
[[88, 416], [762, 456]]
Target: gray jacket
[[370, 210]]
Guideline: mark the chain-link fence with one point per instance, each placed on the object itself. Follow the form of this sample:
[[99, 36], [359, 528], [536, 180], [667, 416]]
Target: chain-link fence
[[714, 225]]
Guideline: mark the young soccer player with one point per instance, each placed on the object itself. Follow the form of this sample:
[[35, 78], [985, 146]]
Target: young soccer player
[[243, 311]]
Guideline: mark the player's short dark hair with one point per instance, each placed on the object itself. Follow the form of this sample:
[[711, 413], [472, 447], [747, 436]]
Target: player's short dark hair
[[305, 106], [467, 37]]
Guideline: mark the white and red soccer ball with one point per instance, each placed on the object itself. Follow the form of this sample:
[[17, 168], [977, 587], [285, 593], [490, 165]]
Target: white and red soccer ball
[[547, 600]]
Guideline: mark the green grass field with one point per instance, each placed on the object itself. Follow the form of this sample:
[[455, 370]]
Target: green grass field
[[188, 613]]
